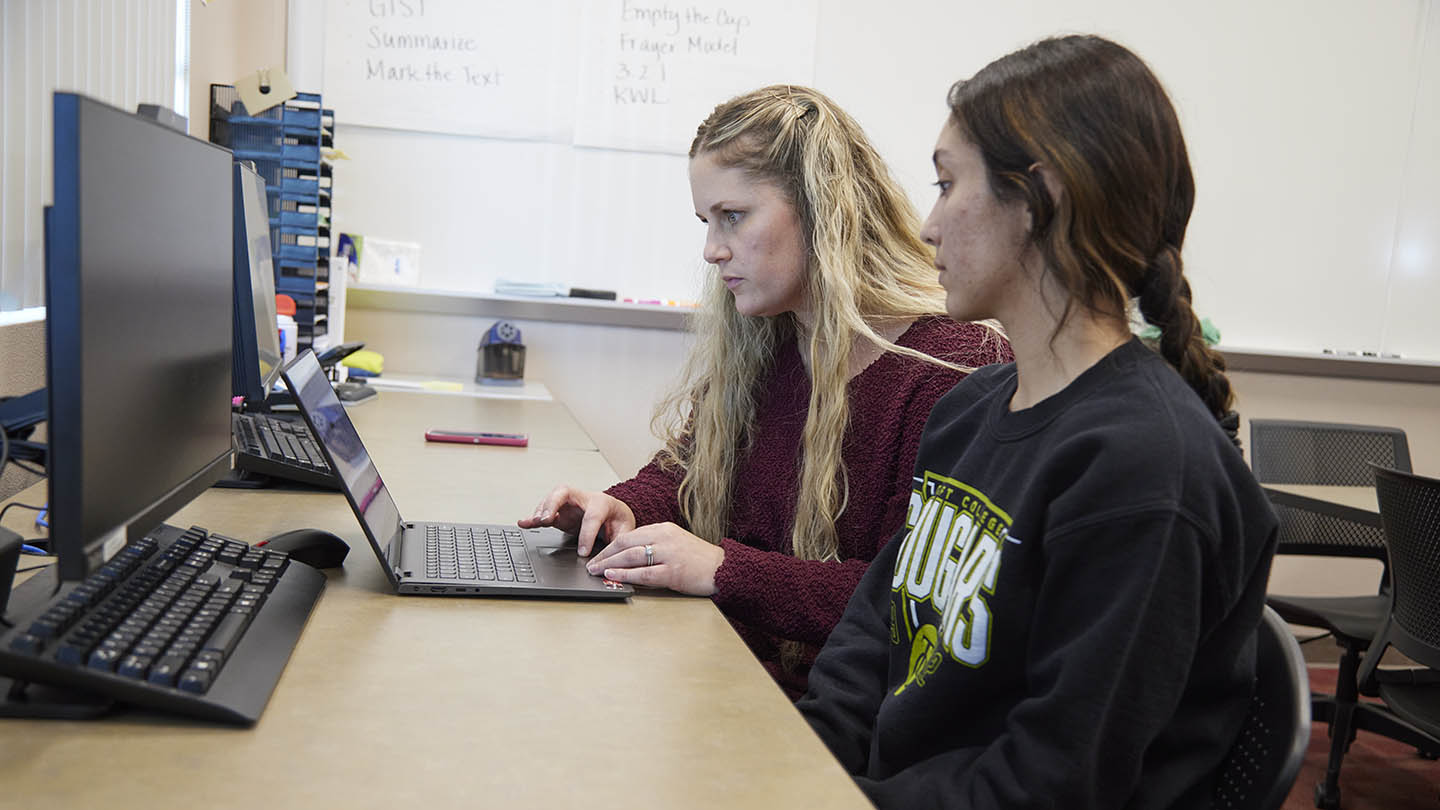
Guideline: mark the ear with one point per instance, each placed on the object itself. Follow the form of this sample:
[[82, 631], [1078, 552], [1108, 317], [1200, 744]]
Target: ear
[[1051, 180]]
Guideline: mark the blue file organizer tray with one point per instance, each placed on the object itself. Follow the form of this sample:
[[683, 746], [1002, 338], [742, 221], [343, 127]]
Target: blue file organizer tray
[[285, 211], [285, 143]]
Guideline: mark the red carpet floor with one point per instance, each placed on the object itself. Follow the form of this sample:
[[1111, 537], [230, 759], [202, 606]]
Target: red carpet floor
[[1378, 773]]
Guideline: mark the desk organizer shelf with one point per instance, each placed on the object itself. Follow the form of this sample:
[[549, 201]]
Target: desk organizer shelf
[[286, 143]]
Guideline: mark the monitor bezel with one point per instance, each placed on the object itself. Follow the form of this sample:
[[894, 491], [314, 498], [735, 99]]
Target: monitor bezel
[[79, 556], [248, 380]]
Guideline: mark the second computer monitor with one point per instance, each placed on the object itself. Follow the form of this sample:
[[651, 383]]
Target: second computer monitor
[[139, 305], [257, 341]]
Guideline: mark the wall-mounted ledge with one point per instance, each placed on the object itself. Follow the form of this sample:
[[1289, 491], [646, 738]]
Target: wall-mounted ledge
[[1329, 365], [30, 315], [568, 310], [645, 316]]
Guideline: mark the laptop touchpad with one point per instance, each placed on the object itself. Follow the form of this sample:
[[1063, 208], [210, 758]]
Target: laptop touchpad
[[560, 555]]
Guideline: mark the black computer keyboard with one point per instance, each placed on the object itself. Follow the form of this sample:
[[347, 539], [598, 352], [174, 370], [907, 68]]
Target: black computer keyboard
[[182, 621], [280, 448]]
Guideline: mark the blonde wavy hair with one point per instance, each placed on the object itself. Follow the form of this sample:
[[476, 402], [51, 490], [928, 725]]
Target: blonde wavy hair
[[867, 270]]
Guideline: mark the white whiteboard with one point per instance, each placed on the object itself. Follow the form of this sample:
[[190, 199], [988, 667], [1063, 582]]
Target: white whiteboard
[[499, 69], [1312, 127], [650, 72]]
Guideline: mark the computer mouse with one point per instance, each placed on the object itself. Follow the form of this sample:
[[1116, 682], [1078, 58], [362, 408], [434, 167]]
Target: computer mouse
[[316, 548]]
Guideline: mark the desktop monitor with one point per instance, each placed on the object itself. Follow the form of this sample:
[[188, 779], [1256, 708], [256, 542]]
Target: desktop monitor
[[257, 340], [139, 297]]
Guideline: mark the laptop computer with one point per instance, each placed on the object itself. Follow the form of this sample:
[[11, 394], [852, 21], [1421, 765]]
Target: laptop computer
[[433, 558]]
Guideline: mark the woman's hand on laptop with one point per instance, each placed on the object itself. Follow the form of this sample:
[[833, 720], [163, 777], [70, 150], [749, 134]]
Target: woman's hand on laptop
[[660, 555], [581, 513]]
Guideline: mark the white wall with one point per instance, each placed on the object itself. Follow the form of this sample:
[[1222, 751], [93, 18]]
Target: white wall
[[227, 41], [1311, 126]]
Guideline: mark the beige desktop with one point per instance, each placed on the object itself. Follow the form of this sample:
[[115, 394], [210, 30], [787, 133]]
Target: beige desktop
[[439, 702]]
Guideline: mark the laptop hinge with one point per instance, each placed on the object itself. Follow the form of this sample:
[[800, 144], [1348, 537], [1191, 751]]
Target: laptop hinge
[[394, 549]]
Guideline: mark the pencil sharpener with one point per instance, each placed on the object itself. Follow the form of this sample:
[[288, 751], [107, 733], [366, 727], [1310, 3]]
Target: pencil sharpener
[[501, 355]]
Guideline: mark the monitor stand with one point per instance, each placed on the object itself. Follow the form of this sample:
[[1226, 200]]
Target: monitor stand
[[33, 700], [37, 701], [244, 479], [349, 391]]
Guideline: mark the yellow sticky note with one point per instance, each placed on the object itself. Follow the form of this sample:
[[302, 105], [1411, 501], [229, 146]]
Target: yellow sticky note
[[442, 385]]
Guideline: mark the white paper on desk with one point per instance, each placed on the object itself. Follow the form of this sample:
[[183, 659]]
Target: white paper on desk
[[383, 261]]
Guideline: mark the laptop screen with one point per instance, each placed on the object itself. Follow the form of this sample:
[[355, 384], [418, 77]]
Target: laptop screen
[[359, 479]]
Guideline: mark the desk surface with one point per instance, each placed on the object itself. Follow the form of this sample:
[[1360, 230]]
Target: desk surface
[[1353, 497], [1358, 504], [397, 419], [393, 701]]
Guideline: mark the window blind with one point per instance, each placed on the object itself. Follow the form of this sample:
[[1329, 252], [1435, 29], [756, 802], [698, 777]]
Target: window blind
[[122, 52]]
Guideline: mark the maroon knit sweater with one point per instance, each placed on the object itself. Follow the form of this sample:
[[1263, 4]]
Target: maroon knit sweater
[[761, 587]]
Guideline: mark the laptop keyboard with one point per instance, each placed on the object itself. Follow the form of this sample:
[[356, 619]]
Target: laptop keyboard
[[484, 554]]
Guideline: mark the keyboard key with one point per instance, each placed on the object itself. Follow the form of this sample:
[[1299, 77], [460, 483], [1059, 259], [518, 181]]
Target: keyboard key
[[45, 627], [183, 649], [133, 666], [166, 670], [148, 649], [197, 681], [289, 449], [267, 437], [72, 653], [27, 643], [227, 634], [104, 658]]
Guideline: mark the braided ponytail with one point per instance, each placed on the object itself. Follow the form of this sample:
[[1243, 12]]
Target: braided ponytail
[[1165, 303]]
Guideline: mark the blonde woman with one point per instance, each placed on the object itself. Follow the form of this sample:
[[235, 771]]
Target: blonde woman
[[789, 449]]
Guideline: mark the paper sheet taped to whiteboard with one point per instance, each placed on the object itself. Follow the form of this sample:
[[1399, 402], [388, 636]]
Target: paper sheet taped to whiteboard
[[652, 70]]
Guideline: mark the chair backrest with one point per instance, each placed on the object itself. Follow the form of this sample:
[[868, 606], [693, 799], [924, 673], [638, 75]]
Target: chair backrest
[[1286, 451], [1265, 758], [1410, 510]]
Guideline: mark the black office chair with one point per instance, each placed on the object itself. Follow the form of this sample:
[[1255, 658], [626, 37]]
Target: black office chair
[[1265, 758], [1410, 510], [1320, 453]]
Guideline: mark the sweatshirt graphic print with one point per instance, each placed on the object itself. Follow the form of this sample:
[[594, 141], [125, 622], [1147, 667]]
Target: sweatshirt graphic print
[[944, 576]]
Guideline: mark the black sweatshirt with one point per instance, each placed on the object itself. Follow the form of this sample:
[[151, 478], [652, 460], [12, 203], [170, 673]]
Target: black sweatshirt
[[1069, 618]]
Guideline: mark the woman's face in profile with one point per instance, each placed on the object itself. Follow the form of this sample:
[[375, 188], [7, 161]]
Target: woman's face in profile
[[980, 242], [753, 236]]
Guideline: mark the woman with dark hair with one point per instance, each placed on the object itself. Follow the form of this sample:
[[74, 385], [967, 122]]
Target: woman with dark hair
[[1069, 618]]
